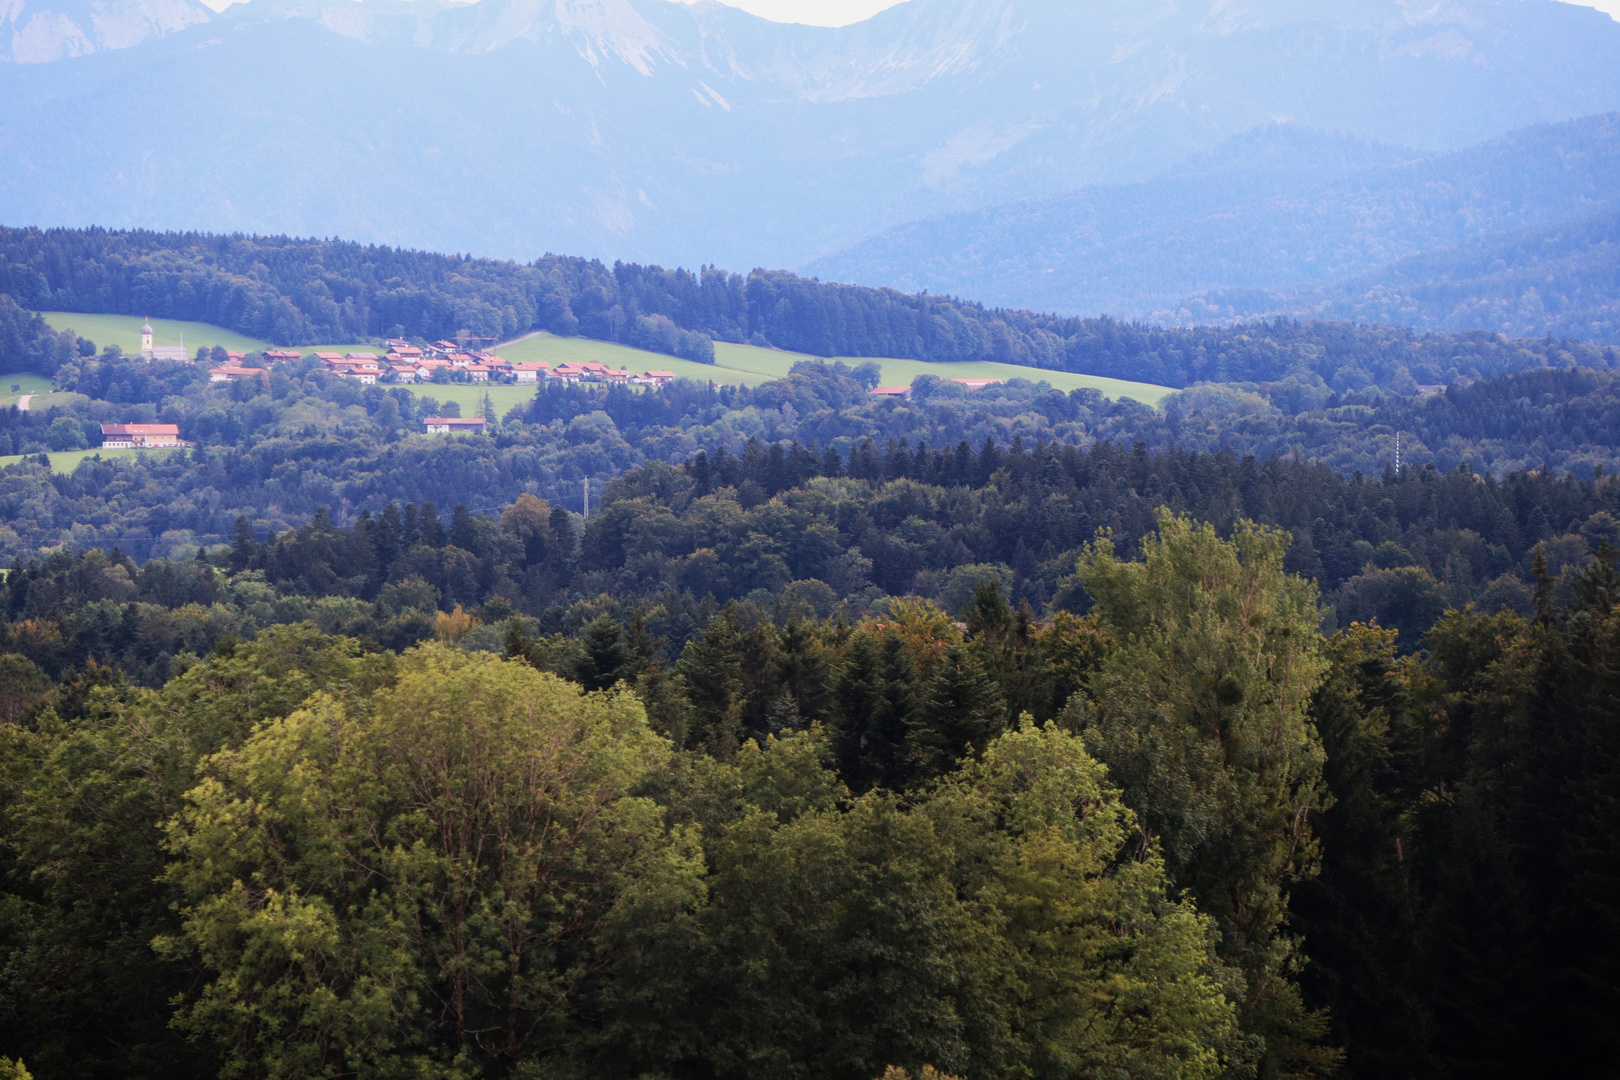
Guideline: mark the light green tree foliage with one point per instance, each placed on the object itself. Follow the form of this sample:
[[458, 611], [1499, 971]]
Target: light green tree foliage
[[14, 1070], [82, 802], [415, 884], [1201, 714], [992, 928], [1109, 977]]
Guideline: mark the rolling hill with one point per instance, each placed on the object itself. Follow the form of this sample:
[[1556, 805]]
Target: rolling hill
[[736, 365]]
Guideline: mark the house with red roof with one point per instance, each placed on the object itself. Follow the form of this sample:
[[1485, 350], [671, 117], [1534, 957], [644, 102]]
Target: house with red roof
[[453, 425], [140, 436], [234, 373]]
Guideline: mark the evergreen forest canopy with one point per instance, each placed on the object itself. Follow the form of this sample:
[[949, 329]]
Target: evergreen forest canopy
[[295, 292]]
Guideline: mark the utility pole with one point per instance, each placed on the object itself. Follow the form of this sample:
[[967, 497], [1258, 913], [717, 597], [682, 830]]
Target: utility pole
[[587, 512]]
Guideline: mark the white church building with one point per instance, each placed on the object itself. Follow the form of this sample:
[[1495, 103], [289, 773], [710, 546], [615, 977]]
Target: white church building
[[160, 352]]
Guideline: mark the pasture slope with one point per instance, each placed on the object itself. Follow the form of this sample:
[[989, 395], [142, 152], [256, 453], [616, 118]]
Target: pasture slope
[[742, 365]]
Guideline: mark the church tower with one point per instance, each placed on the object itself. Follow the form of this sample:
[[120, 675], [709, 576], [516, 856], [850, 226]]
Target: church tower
[[146, 341]]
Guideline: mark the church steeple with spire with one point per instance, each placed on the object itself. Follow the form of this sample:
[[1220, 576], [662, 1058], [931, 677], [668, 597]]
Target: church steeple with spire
[[146, 341]]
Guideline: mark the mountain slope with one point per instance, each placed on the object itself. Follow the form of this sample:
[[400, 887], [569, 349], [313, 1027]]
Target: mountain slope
[[43, 30], [1279, 208], [652, 130], [1561, 279]]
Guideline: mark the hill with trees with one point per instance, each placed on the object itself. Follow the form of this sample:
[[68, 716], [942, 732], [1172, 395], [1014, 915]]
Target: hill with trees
[[307, 291], [1284, 221]]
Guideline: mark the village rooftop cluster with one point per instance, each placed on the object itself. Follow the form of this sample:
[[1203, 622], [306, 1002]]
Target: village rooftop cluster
[[441, 361]]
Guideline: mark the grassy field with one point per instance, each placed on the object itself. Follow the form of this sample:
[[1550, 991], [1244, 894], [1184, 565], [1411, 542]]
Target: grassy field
[[560, 350], [25, 382], [747, 365], [65, 461], [125, 332], [750, 366], [471, 396]]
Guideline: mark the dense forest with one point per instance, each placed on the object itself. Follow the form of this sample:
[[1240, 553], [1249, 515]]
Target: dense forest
[[990, 734], [1182, 834], [305, 291], [277, 450]]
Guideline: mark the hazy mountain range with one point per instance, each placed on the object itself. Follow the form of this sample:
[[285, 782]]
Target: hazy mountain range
[[1507, 235], [645, 129]]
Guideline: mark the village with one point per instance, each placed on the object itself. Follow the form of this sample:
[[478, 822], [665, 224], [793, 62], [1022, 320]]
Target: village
[[440, 361], [404, 363]]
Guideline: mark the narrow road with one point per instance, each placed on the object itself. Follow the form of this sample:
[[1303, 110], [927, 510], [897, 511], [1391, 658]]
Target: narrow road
[[22, 402], [514, 341]]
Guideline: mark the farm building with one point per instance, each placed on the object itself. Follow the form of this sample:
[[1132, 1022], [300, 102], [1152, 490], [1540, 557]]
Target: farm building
[[442, 425]]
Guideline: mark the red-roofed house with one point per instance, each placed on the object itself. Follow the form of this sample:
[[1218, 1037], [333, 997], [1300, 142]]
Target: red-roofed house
[[478, 372], [468, 425], [234, 373], [127, 436], [282, 356], [892, 391]]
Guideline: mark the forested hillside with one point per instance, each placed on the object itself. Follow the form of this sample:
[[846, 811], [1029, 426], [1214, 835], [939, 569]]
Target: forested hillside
[[995, 731], [1280, 210], [300, 292], [1561, 280], [277, 450]]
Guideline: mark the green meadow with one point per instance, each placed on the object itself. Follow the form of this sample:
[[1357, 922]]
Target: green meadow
[[65, 461], [470, 396], [745, 365], [15, 384], [750, 365], [125, 332]]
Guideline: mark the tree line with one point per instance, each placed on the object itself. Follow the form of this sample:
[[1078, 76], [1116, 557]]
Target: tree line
[[295, 292], [276, 450]]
